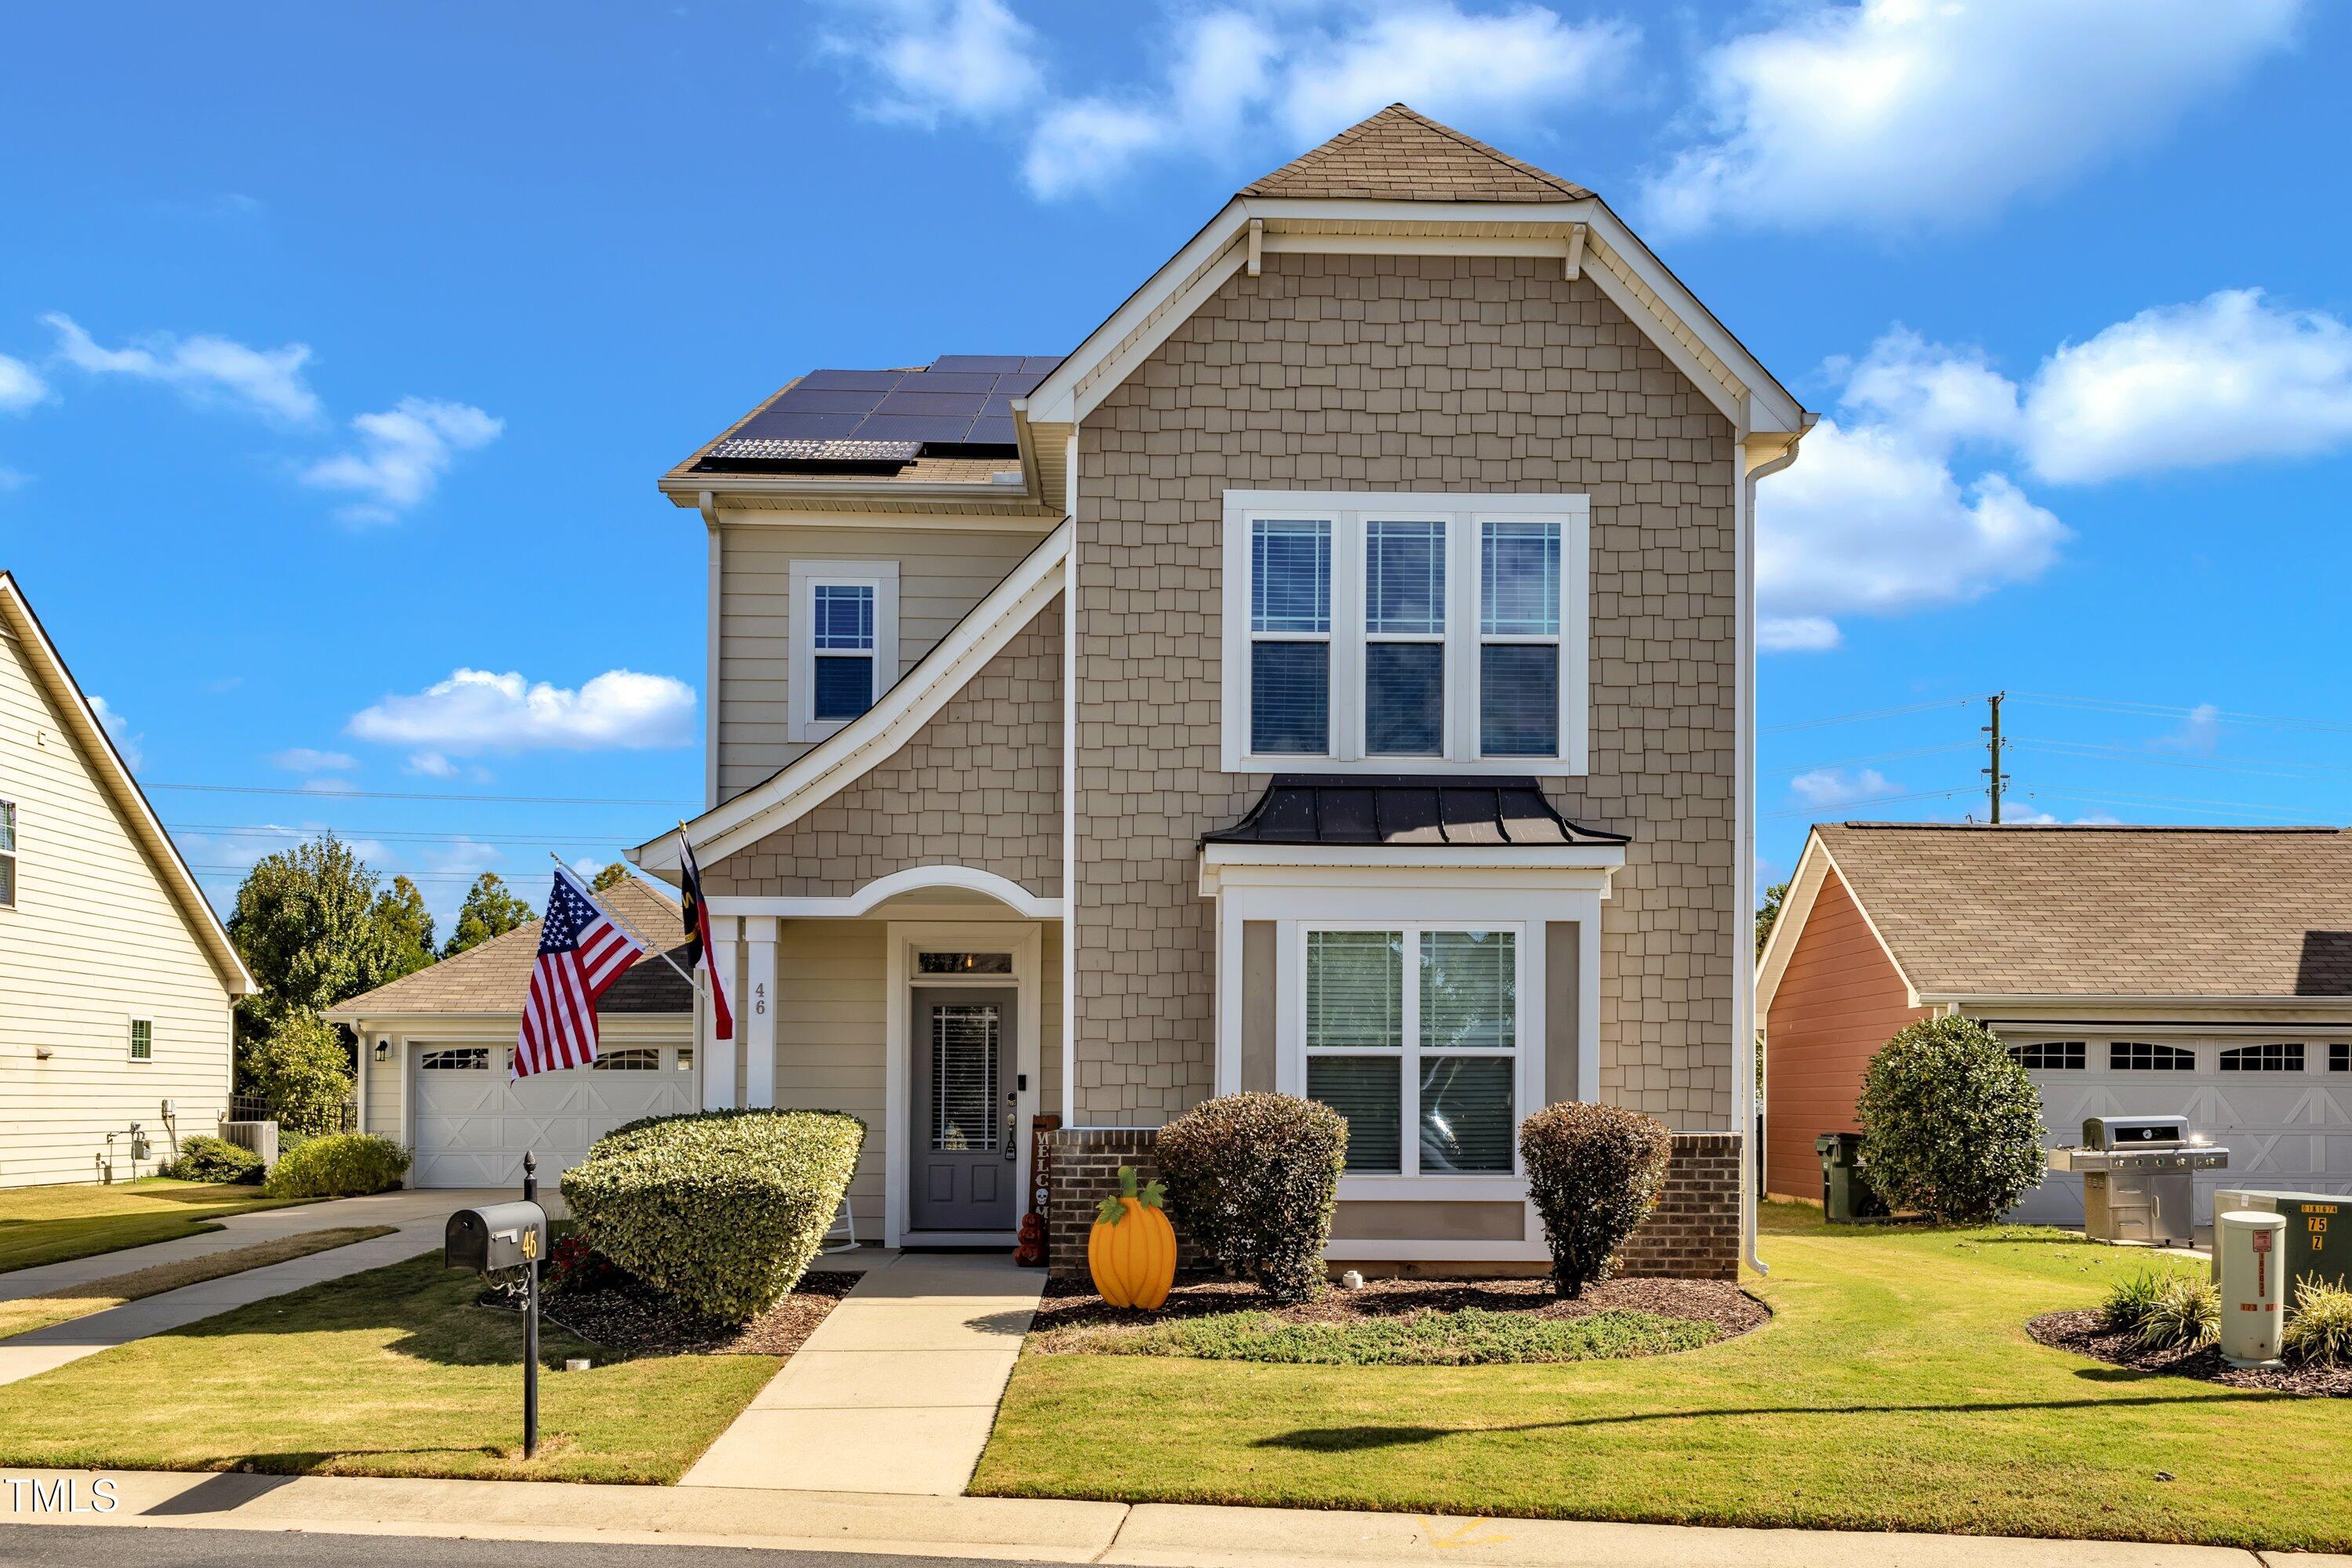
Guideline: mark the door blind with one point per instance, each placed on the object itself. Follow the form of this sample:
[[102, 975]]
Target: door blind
[[963, 1077]]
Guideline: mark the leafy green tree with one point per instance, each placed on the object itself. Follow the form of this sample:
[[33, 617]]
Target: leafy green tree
[[310, 925], [619, 871], [407, 925], [301, 1070], [1769, 912], [489, 909], [1951, 1125]]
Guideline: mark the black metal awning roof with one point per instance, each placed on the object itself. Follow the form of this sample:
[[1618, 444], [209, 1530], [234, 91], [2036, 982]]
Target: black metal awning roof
[[1320, 808]]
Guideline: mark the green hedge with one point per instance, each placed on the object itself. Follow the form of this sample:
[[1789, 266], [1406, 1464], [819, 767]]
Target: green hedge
[[338, 1166], [720, 1211], [1594, 1174], [1253, 1179], [205, 1158]]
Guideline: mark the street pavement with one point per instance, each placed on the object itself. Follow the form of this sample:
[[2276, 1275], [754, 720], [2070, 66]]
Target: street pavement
[[95, 1546]]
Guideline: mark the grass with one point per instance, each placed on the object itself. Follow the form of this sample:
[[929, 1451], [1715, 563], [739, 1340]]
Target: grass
[[391, 1373], [30, 1313], [1472, 1337], [51, 1225], [1895, 1388]]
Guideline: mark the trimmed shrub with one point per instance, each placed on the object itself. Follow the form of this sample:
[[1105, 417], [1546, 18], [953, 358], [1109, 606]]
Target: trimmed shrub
[[205, 1158], [2319, 1333], [302, 1072], [338, 1165], [1951, 1127], [720, 1211], [1253, 1179], [1594, 1173]]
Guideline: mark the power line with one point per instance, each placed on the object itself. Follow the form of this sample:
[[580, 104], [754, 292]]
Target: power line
[[2162, 711], [1870, 713], [1820, 811], [1903, 755], [319, 794], [389, 835], [2254, 767], [2168, 801]]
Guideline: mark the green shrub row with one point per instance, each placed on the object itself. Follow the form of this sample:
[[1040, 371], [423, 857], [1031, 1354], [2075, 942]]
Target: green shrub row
[[2165, 1310], [338, 1165], [205, 1158]]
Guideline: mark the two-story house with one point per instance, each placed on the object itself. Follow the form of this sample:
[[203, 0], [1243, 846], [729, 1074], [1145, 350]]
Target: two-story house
[[1333, 676]]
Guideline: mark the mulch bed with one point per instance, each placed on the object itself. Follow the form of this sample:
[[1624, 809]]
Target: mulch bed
[[627, 1320], [2084, 1333], [1070, 1304]]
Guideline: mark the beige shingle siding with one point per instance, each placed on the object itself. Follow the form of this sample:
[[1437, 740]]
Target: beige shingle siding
[[980, 786], [1404, 373], [1398, 156], [2106, 911]]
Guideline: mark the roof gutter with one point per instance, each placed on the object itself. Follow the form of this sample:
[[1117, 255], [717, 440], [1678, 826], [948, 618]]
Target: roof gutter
[[2117, 999]]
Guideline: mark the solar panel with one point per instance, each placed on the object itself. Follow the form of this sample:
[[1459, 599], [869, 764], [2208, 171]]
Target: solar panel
[[888, 416]]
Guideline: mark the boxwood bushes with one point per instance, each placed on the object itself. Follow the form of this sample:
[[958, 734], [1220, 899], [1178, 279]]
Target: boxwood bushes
[[1253, 1179], [1594, 1173], [719, 1211], [338, 1166], [205, 1158]]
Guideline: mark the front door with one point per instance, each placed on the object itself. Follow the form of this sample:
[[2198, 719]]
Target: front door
[[962, 1145]]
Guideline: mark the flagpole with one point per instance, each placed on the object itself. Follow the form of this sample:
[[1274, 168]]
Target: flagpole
[[638, 935]]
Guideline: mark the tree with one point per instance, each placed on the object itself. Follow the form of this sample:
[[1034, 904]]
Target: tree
[[1952, 1126], [407, 925], [300, 1070], [489, 909], [1769, 912], [619, 871], [310, 926]]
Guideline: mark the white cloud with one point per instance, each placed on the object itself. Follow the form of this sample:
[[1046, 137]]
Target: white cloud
[[2200, 732], [1898, 113], [1796, 634], [430, 764], [269, 381], [1087, 144], [11, 479], [21, 385], [480, 710], [404, 451], [1824, 789], [2226, 378], [328, 783], [118, 729], [939, 59], [309, 760], [1942, 396]]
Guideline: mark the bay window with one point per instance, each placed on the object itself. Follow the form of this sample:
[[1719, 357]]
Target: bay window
[[1380, 633], [1412, 1033]]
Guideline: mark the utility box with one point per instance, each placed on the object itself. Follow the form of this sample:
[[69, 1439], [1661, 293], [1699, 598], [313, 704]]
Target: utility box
[[1847, 1194], [2246, 1245], [495, 1237], [2318, 1238]]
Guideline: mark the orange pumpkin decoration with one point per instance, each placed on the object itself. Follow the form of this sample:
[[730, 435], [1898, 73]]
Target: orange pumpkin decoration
[[1131, 1251]]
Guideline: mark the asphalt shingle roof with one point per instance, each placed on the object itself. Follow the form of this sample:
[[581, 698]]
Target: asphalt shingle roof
[[2106, 911], [495, 976], [1398, 156]]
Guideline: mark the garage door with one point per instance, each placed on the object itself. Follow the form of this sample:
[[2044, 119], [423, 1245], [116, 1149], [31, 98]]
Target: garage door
[[472, 1127], [2283, 1107]]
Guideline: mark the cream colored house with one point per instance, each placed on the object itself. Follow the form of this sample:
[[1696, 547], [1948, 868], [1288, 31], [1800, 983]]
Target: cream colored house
[[1334, 675], [116, 979]]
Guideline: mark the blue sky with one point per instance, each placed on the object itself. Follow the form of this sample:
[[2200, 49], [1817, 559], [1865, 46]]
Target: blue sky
[[343, 346]]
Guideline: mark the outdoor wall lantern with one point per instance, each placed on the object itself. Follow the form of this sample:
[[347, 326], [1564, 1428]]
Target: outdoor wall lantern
[[382, 1049]]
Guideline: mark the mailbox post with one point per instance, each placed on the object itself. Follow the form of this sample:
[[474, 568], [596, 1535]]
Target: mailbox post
[[509, 1236]]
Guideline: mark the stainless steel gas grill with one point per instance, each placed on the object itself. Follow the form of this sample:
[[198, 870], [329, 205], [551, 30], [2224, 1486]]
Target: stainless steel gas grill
[[2139, 1178]]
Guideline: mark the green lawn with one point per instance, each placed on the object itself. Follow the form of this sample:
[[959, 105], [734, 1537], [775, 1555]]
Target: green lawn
[[25, 1313], [51, 1225], [1895, 1388], [391, 1373]]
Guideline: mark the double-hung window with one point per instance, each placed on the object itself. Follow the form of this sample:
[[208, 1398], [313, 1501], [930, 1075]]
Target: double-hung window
[[1379, 633], [843, 617], [1412, 1033]]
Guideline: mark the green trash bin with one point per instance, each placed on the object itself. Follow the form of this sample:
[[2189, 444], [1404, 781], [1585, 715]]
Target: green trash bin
[[1846, 1195]]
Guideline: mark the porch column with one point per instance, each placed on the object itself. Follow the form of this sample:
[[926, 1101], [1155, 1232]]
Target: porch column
[[759, 1013], [719, 1055]]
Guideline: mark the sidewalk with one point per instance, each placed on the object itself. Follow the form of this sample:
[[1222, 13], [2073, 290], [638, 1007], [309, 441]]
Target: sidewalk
[[421, 1218], [896, 1389], [1144, 1535]]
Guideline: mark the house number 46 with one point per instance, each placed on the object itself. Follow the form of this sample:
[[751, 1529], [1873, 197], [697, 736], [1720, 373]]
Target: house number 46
[[760, 997]]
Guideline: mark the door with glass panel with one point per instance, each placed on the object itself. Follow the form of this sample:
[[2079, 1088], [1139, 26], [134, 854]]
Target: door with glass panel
[[962, 1145]]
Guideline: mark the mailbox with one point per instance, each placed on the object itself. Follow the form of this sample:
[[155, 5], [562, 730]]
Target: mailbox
[[496, 1236]]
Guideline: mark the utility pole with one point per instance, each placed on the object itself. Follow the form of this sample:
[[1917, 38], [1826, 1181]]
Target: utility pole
[[1997, 779]]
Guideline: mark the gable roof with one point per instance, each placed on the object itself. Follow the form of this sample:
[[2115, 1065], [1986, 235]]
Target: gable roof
[[495, 976], [92, 742], [1398, 156], [1969, 911]]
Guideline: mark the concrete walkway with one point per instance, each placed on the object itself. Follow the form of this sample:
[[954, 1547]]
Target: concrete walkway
[[420, 1216], [1141, 1535], [894, 1392]]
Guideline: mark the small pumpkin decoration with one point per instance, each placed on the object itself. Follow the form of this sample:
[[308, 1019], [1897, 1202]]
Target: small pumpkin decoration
[[1131, 1251]]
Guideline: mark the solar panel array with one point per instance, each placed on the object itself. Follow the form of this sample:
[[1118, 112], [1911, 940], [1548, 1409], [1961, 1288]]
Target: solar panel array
[[868, 416]]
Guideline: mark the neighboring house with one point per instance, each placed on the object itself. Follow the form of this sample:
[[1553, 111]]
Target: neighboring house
[[436, 1047], [1333, 676], [116, 979], [2197, 972]]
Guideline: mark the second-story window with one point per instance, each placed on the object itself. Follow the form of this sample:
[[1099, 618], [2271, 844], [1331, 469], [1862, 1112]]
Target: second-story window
[[844, 642], [843, 645], [1404, 637], [1290, 635], [1518, 639]]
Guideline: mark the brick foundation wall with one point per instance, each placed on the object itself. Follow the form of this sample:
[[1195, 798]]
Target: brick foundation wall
[[1693, 1234]]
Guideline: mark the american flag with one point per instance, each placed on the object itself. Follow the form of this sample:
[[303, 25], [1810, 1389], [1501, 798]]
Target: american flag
[[582, 951]]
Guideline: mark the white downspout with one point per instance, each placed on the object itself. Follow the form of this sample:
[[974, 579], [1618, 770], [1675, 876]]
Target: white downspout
[[1070, 792]]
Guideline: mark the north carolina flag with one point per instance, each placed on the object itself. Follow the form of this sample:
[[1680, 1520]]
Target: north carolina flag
[[697, 937]]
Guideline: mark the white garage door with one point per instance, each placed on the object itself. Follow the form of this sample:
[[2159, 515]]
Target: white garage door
[[2281, 1106], [472, 1127]]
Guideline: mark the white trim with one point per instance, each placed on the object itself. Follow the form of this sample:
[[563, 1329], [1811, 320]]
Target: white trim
[[861, 746], [958, 1237], [1813, 866], [131, 1037], [1069, 900], [1463, 512], [714, 607], [805, 578], [904, 940], [714, 1060], [1375, 865], [1343, 1251], [759, 1019], [914, 878]]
